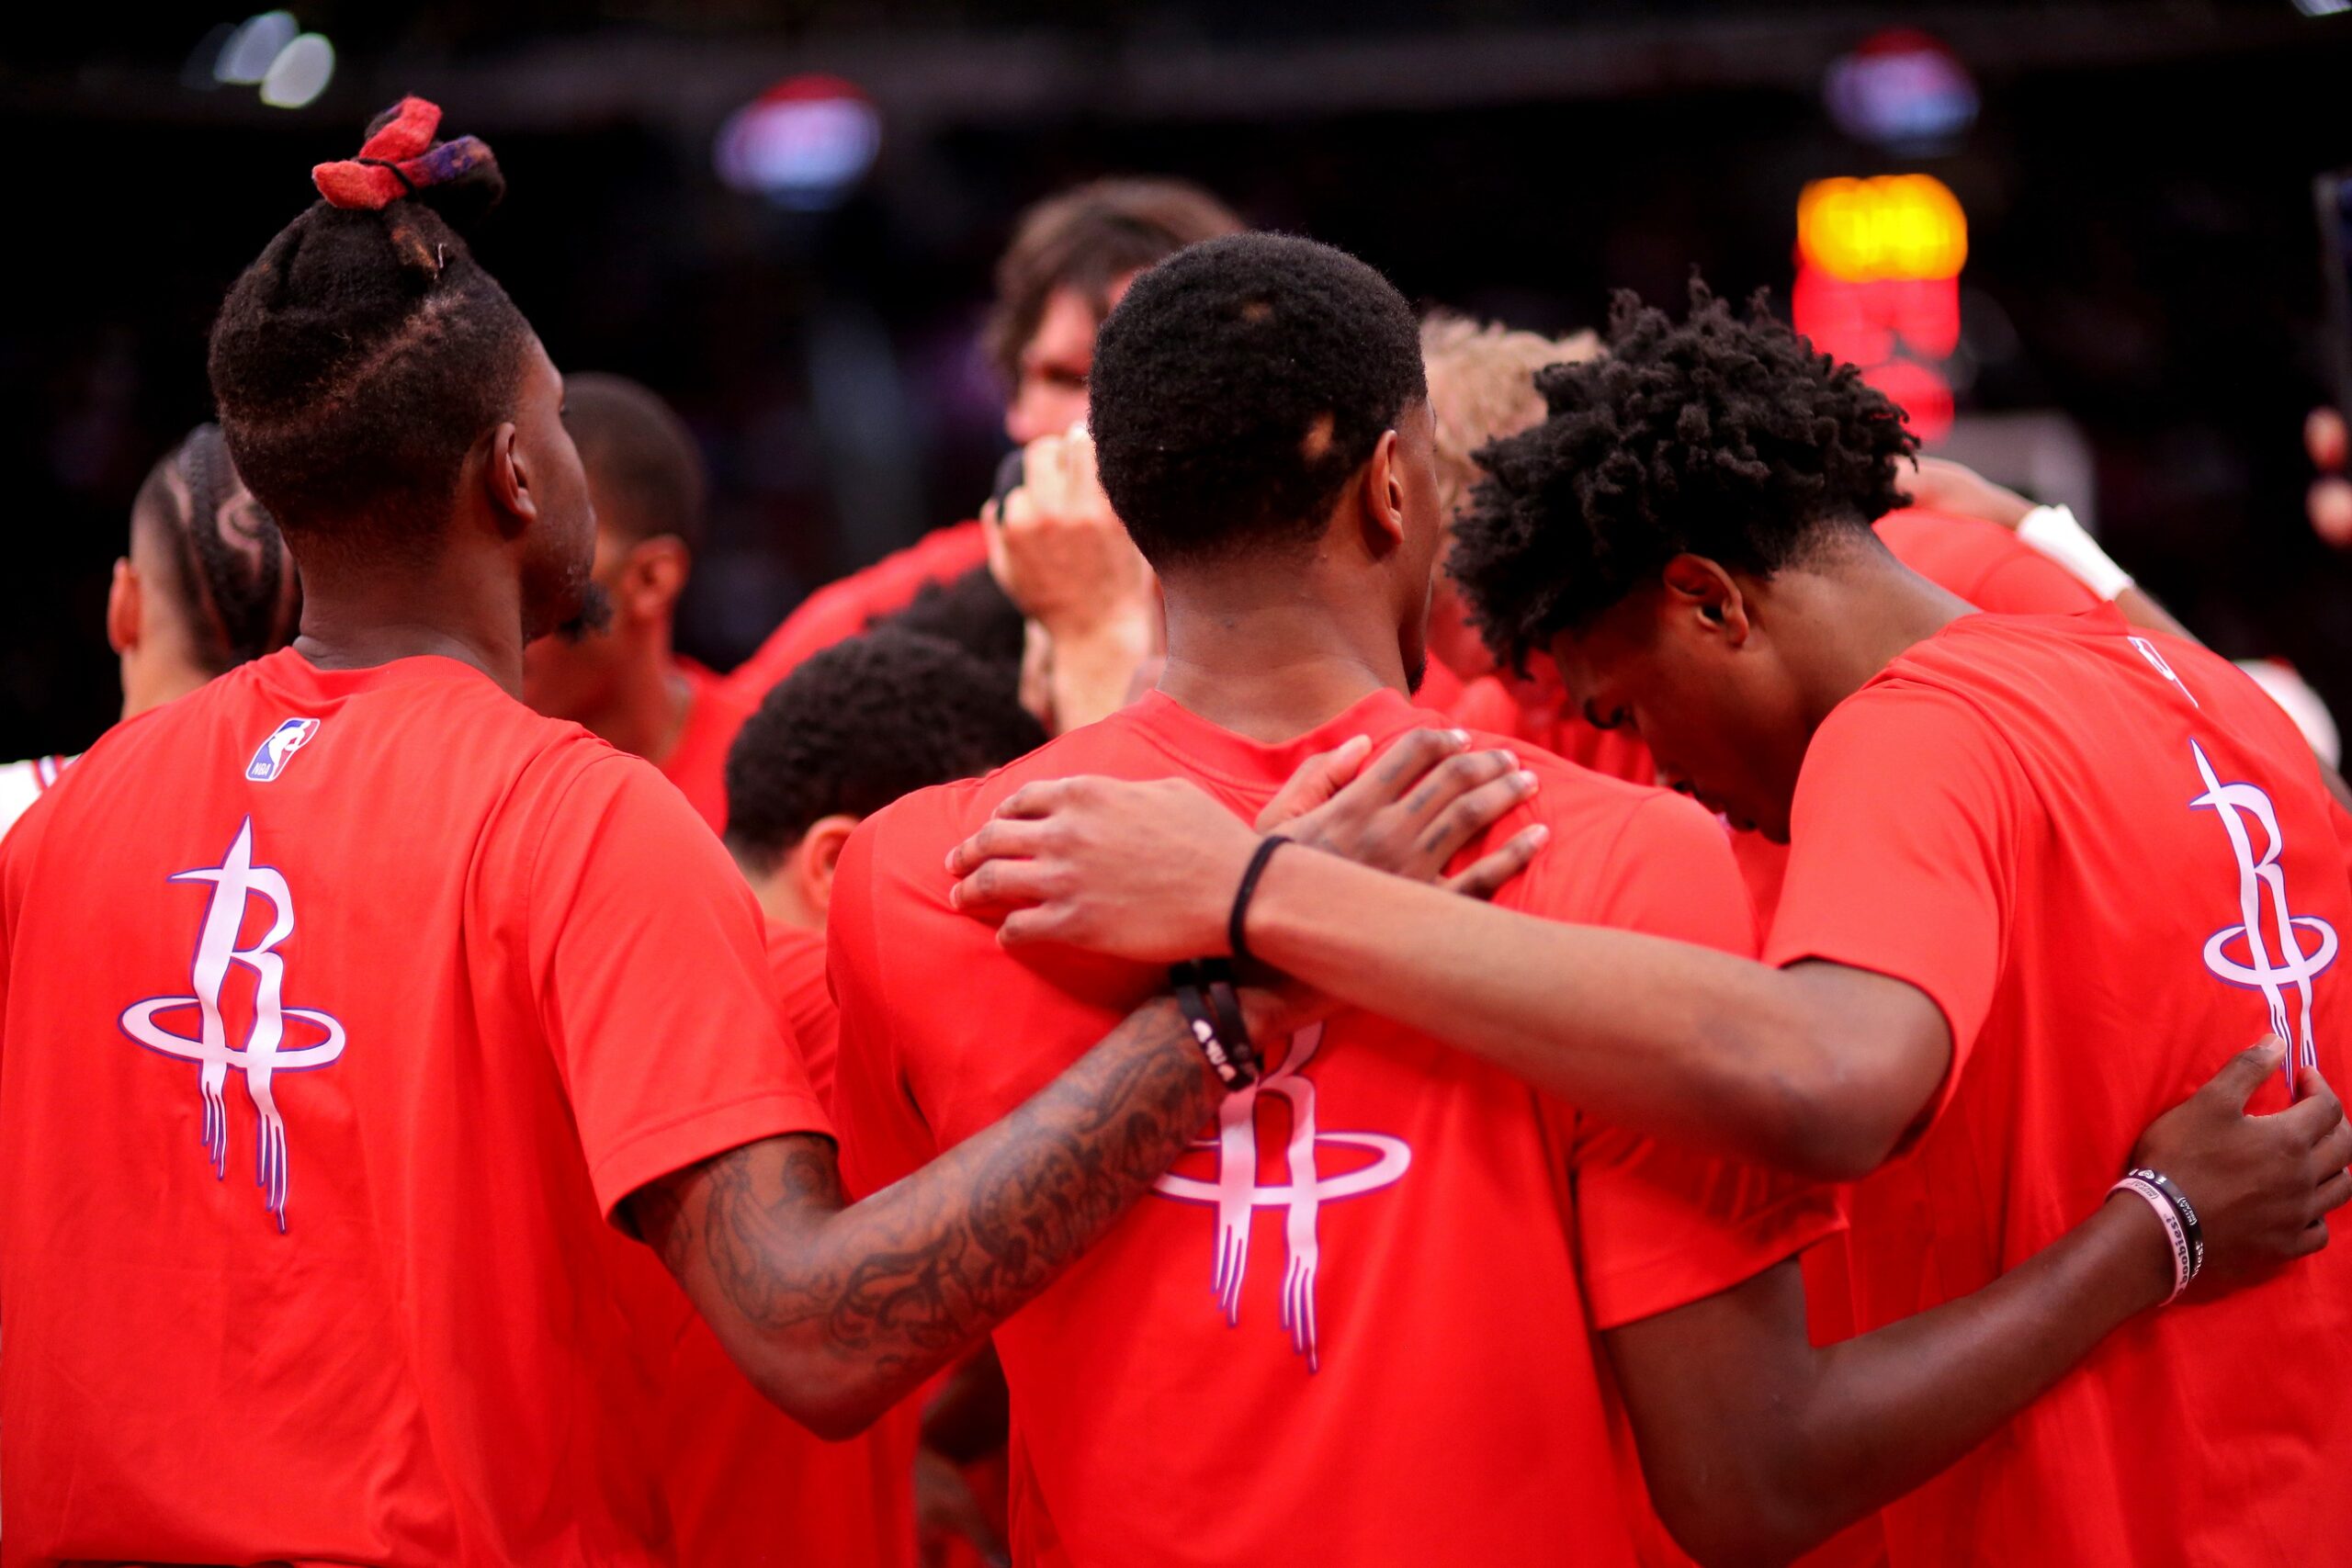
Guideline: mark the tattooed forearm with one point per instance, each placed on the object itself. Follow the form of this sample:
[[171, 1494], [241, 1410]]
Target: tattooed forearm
[[839, 1311]]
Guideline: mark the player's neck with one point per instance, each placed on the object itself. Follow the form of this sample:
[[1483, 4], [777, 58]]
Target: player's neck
[[356, 616], [1861, 616], [1267, 654], [645, 710]]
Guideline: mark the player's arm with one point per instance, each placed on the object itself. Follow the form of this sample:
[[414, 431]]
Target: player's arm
[[1757, 1444], [836, 1311], [1818, 1069]]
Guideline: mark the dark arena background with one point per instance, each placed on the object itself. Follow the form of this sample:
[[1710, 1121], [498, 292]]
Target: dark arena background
[[782, 216]]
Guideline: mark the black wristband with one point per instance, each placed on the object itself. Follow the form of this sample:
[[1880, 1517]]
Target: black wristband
[[1216, 1023], [2186, 1210], [1234, 936]]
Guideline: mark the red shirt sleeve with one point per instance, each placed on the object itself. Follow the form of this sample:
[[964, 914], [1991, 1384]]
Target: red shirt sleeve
[[646, 949], [2027, 582], [883, 1136], [1905, 834], [1660, 1225], [841, 610]]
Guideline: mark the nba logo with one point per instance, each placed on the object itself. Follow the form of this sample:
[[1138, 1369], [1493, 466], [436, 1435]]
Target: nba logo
[[282, 742]]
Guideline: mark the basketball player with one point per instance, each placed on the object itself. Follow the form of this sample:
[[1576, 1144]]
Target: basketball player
[[622, 679], [2046, 870], [1407, 1350], [446, 986], [205, 586]]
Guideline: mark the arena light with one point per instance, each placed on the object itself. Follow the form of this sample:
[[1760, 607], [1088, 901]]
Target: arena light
[[1877, 285], [1902, 88], [300, 73], [246, 57], [805, 143], [2323, 8], [1897, 226]]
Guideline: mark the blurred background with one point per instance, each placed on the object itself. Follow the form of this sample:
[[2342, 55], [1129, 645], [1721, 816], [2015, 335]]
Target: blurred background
[[2077, 241]]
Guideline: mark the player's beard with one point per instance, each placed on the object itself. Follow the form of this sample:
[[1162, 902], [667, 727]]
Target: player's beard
[[1415, 673], [594, 618]]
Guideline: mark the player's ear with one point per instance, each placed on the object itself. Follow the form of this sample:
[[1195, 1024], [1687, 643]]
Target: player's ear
[[1383, 491], [1702, 597], [816, 856], [123, 605], [507, 481], [652, 575]]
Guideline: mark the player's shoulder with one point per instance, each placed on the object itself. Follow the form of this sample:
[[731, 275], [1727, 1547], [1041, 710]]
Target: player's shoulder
[[930, 820]]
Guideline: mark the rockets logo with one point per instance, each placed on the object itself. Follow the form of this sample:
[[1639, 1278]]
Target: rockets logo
[[1235, 1195], [2262, 885], [265, 1052]]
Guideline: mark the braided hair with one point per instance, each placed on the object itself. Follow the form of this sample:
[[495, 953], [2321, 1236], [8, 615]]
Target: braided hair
[[1721, 436], [232, 579], [359, 357]]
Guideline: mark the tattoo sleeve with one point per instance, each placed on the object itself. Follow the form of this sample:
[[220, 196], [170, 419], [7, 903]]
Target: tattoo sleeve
[[836, 1310]]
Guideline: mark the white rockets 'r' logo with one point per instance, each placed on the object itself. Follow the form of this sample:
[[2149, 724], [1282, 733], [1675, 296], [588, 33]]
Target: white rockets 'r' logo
[[265, 1052], [1235, 1193], [2259, 875]]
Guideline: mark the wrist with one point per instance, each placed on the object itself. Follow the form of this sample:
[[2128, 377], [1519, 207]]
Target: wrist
[[1118, 626], [2141, 1249]]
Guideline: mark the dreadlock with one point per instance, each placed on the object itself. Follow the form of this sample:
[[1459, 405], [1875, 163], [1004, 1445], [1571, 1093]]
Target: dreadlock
[[1721, 437], [358, 358], [235, 580]]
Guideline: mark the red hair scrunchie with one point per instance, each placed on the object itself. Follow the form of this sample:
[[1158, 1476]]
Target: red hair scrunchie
[[399, 161]]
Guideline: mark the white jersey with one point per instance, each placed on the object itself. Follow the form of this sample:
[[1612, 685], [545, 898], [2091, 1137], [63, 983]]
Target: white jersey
[[23, 783]]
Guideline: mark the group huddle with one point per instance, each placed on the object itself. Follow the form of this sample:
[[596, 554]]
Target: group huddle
[[1602, 966]]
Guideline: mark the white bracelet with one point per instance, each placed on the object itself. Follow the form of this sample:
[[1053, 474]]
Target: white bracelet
[[2183, 1269], [2053, 531]]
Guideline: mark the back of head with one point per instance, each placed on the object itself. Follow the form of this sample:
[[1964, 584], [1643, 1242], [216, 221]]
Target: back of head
[[1482, 385], [1238, 385], [359, 357], [642, 462], [860, 724], [1721, 436], [228, 574], [1086, 239]]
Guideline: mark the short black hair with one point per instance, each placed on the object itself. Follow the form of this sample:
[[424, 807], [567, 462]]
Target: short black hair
[[1237, 387], [640, 456], [237, 588], [356, 362], [974, 613], [865, 721], [1725, 436]]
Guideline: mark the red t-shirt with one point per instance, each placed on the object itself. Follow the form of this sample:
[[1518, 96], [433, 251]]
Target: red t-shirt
[[2092, 850], [697, 764], [1352, 1326], [841, 610], [324, 1275], [746, 1483]]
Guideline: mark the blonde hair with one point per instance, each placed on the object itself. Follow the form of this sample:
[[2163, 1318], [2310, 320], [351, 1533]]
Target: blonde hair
[[1482, 385]]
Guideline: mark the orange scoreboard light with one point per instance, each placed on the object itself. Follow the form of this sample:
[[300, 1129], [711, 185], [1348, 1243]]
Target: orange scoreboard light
[[1877, 285]]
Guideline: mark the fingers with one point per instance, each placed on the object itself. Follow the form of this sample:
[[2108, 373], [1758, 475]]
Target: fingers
[[2332, 1194], [2242, 1073], [1486, 877], [1416, 754], [1003, 884], [1317, 779], [1475, 810], [1001, 838], [1042, 798], [2315, 1114], [2332, 1153]]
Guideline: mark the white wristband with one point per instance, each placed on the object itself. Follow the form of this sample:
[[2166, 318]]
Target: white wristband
[[2053, 531]]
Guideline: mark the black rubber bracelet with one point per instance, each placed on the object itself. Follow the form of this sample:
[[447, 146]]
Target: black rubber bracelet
[[1234, 936], [1236, 1068], [2185, 1209], [1231, 1028]]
